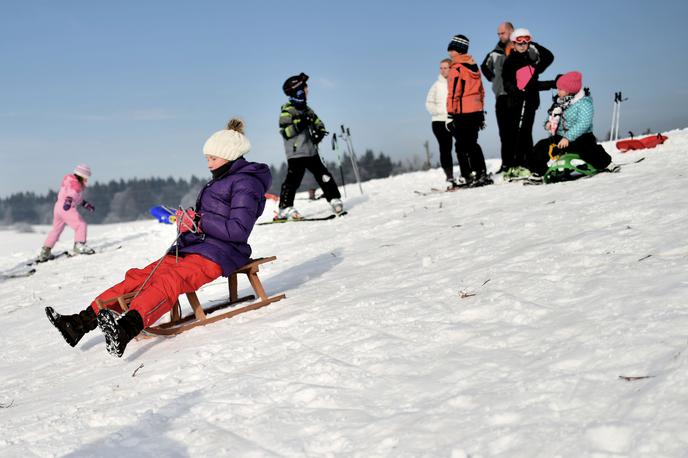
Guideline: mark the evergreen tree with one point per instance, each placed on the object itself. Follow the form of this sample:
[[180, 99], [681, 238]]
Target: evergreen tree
[[120, 200]]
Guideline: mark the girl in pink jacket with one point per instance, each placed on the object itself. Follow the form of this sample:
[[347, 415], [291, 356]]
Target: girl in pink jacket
[[65, 213]]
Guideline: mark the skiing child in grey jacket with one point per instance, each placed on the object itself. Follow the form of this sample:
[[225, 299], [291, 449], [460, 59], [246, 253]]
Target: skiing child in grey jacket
[[302, 131]]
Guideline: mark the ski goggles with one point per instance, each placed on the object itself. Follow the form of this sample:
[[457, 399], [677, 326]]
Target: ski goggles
[[524, 40]]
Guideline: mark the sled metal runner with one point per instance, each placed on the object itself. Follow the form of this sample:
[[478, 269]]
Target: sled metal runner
[[200, 316]]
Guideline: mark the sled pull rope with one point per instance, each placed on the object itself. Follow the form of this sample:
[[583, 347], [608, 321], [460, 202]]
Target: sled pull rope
[[193, 229]]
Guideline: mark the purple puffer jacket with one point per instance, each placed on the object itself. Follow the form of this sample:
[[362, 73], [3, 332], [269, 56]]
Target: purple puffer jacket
[[229, 207]]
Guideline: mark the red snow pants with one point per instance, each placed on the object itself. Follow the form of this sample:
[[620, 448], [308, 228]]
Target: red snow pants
[[170, 280]]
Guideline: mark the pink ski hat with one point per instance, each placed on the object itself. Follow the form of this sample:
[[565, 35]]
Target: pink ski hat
[[82, 170], [571, 82]]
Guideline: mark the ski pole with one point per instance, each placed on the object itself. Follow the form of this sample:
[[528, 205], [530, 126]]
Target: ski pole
[[193, 228], [618, 113], [353, 155], [611, 129], [335, 147], [518, 134], [346, 133]]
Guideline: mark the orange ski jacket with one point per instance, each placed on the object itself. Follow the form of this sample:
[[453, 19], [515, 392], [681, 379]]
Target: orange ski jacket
[[465, 88]]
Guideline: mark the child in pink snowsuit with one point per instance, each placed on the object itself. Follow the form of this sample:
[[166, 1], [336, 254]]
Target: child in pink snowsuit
[[65, 213]]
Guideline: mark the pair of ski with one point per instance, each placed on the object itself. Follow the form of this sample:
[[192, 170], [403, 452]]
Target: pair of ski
[[529, 181], [439, 190], [317, 218], [28, 267], [457, 187]]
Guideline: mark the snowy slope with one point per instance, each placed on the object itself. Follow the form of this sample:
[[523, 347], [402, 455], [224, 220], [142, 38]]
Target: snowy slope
[[486, 322]]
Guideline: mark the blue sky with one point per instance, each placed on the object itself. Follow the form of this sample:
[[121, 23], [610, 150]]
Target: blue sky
[[134, 88]]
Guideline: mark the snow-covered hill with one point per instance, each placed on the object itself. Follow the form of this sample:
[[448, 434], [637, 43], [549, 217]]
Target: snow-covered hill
[[487, 322]]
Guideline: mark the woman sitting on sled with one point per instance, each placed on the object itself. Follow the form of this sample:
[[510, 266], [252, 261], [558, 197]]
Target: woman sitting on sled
[[213, 242], [570, 127]]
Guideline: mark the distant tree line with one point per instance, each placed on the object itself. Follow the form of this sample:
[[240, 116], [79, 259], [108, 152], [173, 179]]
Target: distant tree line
[[118, 201]]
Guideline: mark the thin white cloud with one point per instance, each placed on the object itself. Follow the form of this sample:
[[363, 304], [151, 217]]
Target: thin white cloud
[[88, 117], [150, 115], [326, 83]]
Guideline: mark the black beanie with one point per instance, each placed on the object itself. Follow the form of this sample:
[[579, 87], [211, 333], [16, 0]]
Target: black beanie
[[459, 44]]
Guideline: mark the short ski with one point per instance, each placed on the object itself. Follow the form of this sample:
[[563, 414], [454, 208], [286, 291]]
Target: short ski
[[28, 267], [321, 218], [438, 190], [58, 255]]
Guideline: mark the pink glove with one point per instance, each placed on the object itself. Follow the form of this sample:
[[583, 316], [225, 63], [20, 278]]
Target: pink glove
[[188, 220]]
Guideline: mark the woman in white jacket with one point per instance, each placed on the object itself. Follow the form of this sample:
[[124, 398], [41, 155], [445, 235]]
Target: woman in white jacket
[[436, 104]]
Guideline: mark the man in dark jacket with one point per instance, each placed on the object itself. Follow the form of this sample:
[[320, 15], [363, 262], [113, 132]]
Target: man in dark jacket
[[492, 69], [521, 83], [302, 131]]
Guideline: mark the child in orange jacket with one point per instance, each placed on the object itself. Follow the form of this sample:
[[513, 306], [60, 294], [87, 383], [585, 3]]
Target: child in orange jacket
[[465, 102]]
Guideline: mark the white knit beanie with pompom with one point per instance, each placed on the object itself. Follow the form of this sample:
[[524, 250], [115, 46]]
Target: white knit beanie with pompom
[[229, 144]]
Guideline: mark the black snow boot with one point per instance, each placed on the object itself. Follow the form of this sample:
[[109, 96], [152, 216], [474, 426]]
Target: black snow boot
[[119, 332], [73, 327]]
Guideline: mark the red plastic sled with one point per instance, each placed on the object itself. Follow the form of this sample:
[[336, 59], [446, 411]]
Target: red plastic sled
[[641, 143]]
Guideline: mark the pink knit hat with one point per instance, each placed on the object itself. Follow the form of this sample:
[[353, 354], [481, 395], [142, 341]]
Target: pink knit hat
[[82, 170], [571, 82]]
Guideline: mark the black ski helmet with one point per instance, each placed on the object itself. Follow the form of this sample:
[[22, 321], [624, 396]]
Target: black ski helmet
[[294, 83]]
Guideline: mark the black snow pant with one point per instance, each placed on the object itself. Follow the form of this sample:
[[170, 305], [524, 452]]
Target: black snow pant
[[445, 141], [502, 113], [585, 146], [296, 168], [521, 117], [465, 128]]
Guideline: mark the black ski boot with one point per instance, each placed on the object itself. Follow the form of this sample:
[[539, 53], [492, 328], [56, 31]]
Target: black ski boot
[[119, 332], [478, 180], [73, 327]]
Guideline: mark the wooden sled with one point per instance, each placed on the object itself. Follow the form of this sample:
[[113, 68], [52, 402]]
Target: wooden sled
[[199, 317]]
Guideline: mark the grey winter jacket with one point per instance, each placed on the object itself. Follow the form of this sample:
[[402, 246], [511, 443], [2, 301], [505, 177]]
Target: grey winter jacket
[[297, 126]]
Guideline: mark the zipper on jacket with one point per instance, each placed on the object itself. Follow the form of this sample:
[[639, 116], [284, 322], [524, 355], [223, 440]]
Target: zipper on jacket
[[454, 93]]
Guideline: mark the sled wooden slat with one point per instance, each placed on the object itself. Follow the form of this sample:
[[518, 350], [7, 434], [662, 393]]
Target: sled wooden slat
[[201, 316]]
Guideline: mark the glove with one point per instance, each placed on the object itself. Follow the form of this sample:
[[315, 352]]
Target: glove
[[482, 124], [88, 206], [301, 123], [188, 221], [318, 135], [67, 203]]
